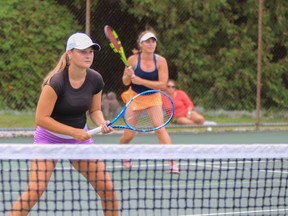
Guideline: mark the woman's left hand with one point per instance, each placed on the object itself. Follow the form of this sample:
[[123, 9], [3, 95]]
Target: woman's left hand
[[136, 80], [106, 129]]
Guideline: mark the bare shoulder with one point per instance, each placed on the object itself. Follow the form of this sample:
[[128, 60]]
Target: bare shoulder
[[133, 59], [161, 62], [48, 92], [161, 59]]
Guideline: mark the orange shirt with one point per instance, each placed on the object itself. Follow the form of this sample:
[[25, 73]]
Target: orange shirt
[[181, 103]]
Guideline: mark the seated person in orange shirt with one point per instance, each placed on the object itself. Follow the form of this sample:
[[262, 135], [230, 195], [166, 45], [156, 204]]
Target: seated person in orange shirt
[[184, 112]]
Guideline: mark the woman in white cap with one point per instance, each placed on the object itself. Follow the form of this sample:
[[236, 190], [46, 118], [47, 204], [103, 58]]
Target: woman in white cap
[[68, 92], [147, 71]]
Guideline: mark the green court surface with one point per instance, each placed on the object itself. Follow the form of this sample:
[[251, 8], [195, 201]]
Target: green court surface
[[261, 137]]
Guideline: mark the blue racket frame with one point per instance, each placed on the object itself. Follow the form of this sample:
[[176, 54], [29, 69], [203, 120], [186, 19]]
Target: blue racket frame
[[127, 126]]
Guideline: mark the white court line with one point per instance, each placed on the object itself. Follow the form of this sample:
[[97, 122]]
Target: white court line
[[239, 213]]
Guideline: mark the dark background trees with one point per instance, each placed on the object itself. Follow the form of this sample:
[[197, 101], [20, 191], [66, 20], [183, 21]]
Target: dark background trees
[[211, 46]]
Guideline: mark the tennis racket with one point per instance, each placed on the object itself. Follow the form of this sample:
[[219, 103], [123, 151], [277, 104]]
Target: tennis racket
[[115, 43], [145, 112]]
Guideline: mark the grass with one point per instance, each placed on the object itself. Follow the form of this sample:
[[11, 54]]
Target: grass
[[14, 119], [17, 120]]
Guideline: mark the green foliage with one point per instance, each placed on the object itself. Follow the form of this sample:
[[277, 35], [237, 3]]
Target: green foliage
[[33, 36], [212, 47]]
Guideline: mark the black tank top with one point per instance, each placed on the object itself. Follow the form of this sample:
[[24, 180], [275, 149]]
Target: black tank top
[[72, 104]]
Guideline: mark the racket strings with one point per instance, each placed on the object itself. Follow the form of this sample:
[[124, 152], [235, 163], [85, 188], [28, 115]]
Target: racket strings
[[148, 112], [141, 120], [114, 41]]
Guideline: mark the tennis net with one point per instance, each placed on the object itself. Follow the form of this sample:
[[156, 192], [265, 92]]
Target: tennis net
[[213, 179]]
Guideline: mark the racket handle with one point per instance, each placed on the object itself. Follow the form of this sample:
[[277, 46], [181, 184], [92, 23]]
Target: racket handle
[[95, 130]]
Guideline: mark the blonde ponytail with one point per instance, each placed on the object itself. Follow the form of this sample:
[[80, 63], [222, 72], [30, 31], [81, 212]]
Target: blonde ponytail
[[62, 63]]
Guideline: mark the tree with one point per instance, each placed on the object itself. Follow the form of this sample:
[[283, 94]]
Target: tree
[[33, 35], [212, 46]]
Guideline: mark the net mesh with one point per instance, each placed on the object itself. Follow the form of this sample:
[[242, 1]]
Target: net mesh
[[213, 179]]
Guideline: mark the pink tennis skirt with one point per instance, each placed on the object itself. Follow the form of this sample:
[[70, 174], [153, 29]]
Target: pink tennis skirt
[[43, 136]]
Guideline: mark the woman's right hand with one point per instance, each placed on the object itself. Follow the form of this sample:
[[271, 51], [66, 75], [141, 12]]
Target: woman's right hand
[[129, 71], [106, 129]]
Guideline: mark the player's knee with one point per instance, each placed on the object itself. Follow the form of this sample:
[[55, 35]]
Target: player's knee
[[161, 131], [110, 192], [35, 191], [200, 120], [127, 137], [107, 193]]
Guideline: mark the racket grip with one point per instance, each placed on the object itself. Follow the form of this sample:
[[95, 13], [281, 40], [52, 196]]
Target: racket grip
[[95, 130]]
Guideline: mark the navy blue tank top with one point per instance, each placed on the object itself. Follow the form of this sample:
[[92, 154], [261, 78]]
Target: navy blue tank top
[[153, 75]]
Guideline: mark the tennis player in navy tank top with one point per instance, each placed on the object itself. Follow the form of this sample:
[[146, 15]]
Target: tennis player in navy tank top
[[147, 71]]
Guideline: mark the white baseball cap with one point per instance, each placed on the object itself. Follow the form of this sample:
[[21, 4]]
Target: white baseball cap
[[81, 41], [146, 36]]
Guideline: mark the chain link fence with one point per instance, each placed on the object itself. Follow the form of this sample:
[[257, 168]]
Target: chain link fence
[[205, 56]]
